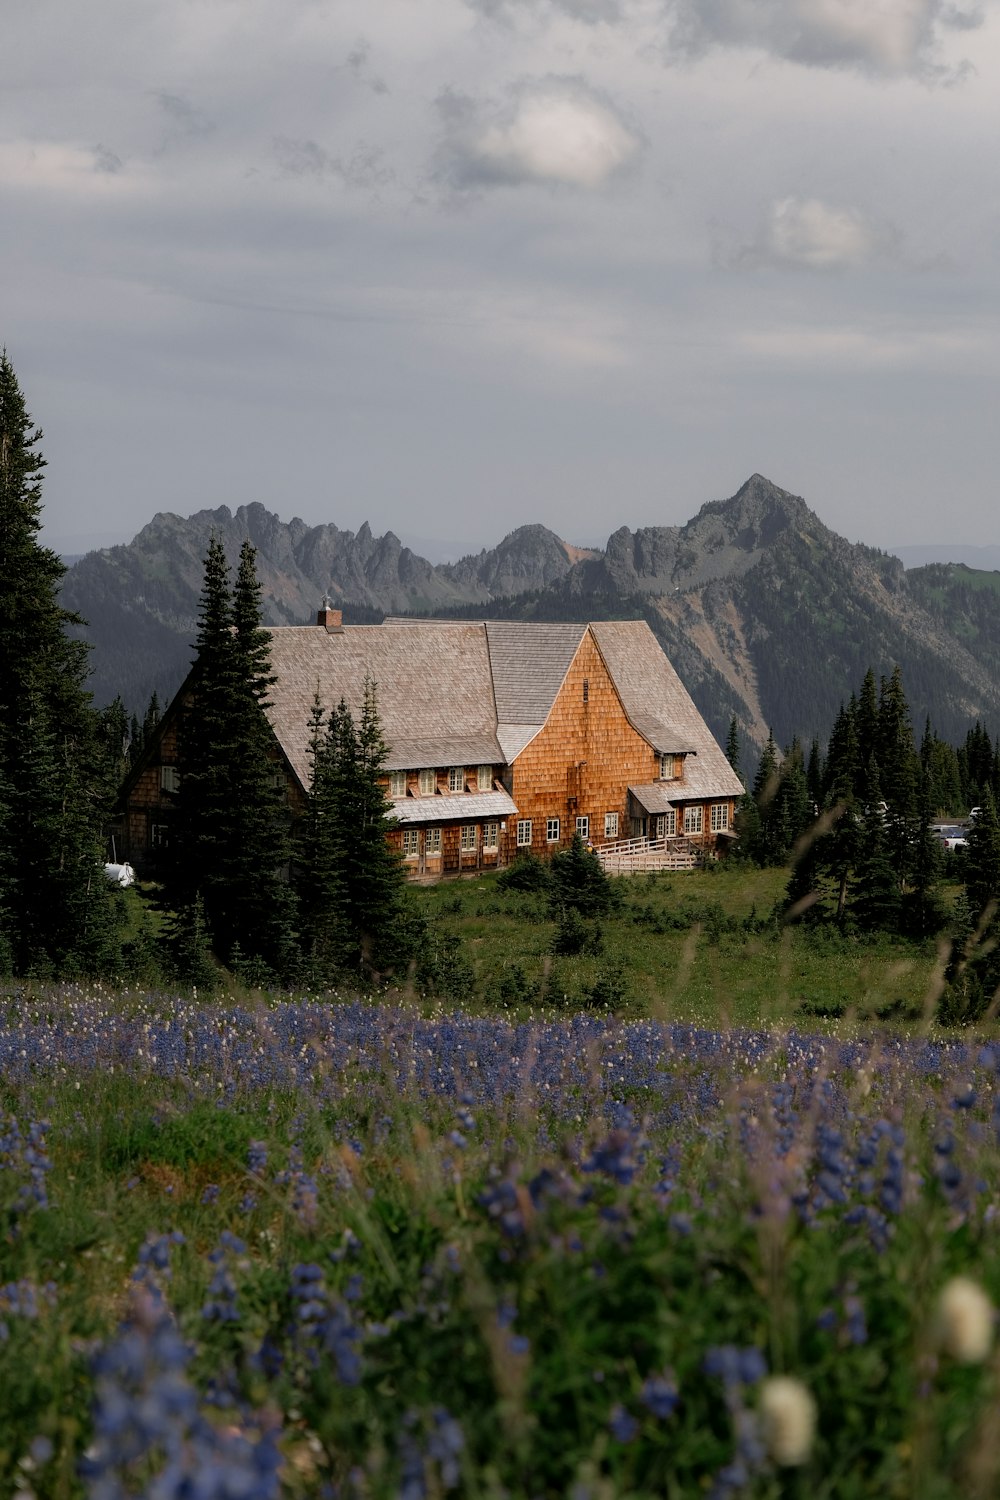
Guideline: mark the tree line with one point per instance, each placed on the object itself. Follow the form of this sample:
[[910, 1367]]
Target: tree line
[[237, 889]]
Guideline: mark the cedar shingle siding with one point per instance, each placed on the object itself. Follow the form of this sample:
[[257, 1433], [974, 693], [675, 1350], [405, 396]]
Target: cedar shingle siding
[[572, 721]]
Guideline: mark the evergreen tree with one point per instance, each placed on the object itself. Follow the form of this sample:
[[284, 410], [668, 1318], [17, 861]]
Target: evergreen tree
[[59, 909], [758, 834], [351, 881], [733, 746], [321, 852], [982, 862], [578, 881], [229, 839], [897, 767], [866, 728], [376, 876], [877, 898], [923, 913]]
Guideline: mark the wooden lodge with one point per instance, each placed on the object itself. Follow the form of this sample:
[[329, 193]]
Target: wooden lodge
[[503, 736]]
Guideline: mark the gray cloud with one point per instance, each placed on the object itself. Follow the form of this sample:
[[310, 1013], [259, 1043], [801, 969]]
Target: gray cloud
[[555, 131], [894, 37], [809, 234], [365, 168], [106, 160], [591, 12], [185, 117], [357, 63]]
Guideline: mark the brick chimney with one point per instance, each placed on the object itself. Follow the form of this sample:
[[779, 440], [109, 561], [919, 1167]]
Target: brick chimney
[[331, 619]]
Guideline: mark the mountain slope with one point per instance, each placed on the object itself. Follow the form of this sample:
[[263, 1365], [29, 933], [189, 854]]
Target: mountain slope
[[765, 611], [141, 600]]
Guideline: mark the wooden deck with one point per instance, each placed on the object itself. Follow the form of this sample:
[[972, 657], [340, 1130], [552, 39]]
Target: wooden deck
[[633, 856]]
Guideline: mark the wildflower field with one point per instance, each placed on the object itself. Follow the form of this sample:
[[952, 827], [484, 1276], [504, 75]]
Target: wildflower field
[[311, 1248]]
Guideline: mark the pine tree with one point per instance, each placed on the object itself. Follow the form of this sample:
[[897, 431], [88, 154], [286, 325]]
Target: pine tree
[[898, 767], [59, 910], [376, 877]]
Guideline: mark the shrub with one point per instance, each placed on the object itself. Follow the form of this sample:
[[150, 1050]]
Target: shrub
[[527, 873]]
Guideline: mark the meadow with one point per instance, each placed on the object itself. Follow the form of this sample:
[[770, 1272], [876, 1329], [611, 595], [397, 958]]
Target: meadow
[[292, 1246]]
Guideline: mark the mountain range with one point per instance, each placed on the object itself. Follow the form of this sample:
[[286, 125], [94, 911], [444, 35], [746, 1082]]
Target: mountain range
[[765, 612]]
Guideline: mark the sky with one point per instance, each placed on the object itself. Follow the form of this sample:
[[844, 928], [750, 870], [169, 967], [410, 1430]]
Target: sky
[[452, 266]]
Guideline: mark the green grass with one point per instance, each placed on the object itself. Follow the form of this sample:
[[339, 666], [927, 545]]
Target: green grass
[[693, 946]]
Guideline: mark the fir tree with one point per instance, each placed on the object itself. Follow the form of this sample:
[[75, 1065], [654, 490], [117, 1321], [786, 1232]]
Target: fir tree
[[876, 901], [733, 746], [59, 912], [351, 881], [229, 842]]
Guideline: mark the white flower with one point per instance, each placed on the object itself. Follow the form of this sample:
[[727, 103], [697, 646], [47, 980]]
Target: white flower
[[965, 1321], [788, 1419]]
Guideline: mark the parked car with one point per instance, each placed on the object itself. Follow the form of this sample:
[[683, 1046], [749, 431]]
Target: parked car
[[974, 813], [953, 838]]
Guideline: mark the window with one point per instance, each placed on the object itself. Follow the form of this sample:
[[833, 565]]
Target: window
[[552, 830], [427, 781], [610, 825], [468, 838], [524, 833], [670, 824], [170, 779], [668, 767], [411, 843], [397, 783], [583, 828], [432, 843], [456, 779], [586, 690], [720, 816], [491, 832], [484, 778], [692, 820], [159, 835]]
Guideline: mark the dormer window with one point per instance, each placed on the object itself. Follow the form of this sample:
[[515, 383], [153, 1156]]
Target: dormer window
[[427, 781], [669, 767], [397, 783], [456, 779], [484, 779]]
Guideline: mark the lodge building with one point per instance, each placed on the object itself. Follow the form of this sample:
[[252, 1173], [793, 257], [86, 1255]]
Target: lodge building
[[503, 736]]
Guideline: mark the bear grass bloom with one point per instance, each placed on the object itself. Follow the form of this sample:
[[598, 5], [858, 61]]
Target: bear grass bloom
[[788, 1419], [965, 1321]]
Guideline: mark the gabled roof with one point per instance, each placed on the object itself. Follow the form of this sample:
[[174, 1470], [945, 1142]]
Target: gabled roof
[[456, 693], [434, 689], [661, 708]]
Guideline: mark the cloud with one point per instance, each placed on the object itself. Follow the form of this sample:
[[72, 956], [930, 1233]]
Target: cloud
[[818, 236], [891, 37], [554, 130], [356, 63], [591, 12], [364, 168], [106, 160], [186, 118]]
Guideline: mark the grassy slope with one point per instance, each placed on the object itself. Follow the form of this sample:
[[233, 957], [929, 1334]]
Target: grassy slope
[[697, 971]]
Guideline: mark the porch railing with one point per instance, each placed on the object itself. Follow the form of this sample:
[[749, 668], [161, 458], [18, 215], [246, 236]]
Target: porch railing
[[631, 856]]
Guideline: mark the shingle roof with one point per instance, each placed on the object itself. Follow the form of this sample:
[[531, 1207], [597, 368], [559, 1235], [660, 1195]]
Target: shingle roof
[[430, 690], [653, 696], [529, 664], [455, 693], [657, 797], [461, 807]]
